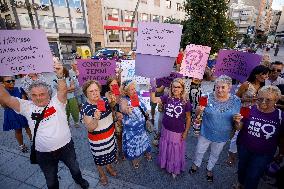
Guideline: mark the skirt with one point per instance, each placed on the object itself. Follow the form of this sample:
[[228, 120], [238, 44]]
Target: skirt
[[171, 151]]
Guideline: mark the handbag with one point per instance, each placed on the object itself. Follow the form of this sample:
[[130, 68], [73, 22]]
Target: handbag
[[33, 151], [148, 125]]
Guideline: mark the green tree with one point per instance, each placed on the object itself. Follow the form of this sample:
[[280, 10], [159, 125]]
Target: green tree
[[208, 24]]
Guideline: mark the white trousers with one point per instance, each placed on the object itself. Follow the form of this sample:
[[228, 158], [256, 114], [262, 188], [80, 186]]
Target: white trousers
[[233, 144], [201, 148]]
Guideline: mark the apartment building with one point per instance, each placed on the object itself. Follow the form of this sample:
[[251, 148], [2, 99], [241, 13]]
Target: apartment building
[[110, 20], [280, 28], [64, 21]]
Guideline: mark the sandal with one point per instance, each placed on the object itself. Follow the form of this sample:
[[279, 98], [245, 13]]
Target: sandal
[[148, 156], [111, 171], [209, 177], [135, 165], [192, 171], [231, 159], [103, 180]]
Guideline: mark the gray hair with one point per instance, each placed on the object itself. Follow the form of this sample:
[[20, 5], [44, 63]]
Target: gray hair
[[224, 79], [40, 84], [271, 89]]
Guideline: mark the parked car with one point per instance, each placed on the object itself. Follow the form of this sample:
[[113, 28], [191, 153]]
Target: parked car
[[108, 53]]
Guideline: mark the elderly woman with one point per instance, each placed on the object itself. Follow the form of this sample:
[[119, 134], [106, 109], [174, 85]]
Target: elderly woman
[[260, 131], [176, 124], [214, 132], [135, 140], [97, 116]]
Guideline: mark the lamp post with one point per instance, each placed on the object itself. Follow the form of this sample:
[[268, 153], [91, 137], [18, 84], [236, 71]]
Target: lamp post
[[132, 23]]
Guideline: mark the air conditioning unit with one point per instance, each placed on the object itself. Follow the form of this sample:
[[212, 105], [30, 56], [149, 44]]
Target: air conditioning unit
[[20, 4], [78, 10], [35, 6], [44, 7]]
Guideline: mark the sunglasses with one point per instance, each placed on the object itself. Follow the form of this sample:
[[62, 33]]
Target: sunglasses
[[276, 70], [10, 81]]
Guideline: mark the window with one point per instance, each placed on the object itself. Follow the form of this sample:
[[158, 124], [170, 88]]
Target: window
[[127, 36], [59, 3], [44, 2], [144, 17], [74, 3], [155, 18], [63, 23], [46, 22], [78, 23], [168, 4], [112, 14], [128, 16], [24, 20], [179, 7], [157, 3], [113, 35], [144, 1]]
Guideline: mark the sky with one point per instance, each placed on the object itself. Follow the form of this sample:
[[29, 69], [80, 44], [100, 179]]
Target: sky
[[277, 4]]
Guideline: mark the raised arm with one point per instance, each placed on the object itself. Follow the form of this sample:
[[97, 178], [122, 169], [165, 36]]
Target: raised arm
[[72, 86], [7, 100], [61, 83], [153, 88]]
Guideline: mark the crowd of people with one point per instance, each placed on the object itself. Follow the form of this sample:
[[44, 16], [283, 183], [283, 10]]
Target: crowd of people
[[247, 115]]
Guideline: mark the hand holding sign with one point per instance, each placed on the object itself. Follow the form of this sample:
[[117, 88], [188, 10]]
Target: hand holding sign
[[134, 100], [115, 89], [101, 105], [58, 69], [245, 112], [97, 114], [203, 101]]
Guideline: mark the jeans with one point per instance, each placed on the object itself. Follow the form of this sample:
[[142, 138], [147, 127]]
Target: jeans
[[251, 167], [48, 162], [201, 148]]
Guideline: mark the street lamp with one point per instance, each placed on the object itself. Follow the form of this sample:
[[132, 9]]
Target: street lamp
[[132, 23]]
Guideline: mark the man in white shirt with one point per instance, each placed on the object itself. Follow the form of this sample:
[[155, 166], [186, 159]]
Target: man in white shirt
[[274, 78], [53, 138]]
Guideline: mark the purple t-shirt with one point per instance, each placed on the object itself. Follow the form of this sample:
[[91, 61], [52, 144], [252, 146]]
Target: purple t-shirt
[[174, 113], [261, 131]]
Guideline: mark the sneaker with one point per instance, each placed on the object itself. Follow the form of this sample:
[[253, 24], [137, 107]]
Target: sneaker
[[23, 148]]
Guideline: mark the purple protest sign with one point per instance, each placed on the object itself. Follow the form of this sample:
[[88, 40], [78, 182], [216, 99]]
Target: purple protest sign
[[195, 61], [98, 70], [24, 52], [160, 39], [236, 64], [166, 81], [153, 66]]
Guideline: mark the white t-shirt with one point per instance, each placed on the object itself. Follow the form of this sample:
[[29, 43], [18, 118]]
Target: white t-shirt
[[53, 131], [278, 81]]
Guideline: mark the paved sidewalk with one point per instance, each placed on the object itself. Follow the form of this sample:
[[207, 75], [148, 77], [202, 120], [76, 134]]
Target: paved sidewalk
[[16, 172]]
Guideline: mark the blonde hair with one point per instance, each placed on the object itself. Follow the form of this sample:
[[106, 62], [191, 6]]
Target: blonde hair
[[184, 97], [125, 85], [271, 89]]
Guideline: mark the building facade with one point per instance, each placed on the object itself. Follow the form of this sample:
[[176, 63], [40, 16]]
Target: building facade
[[276, 14], [110, 21], [280, 27], [64, 22]]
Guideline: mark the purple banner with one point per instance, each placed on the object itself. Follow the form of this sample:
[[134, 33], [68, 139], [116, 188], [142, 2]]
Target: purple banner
[[98, 70], [166, 81], [236, 64], [24, 52], [162, 39], [153, 66]]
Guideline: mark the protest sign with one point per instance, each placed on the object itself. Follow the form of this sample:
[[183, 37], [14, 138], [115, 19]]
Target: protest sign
[[128, 72], [160, 39], [166, 81], [98, 70], [195, 60], [145, 98], [236, 64], [153, 66], [24, 52]]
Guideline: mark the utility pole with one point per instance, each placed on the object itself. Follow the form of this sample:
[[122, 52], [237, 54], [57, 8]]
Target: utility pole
[[132, 23]]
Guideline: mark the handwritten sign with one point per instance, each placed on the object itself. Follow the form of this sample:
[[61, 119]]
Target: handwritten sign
[[145, 99], [128, 72], [166, 81], [195, 60], [24, 52], [153, 66], [160, 39], [99, 70], [236, 64]]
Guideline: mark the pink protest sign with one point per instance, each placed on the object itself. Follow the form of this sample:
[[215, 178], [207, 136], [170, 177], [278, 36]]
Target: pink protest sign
[[236, 64], [195, 61], [98, 70], [160, 39], [24, 51]]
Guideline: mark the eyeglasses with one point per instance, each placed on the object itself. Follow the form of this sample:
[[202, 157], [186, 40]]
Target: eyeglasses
[[267, 100], [276, 70], [10, 81]]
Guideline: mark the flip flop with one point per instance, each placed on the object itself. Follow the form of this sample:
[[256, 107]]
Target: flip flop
[[104, 180]]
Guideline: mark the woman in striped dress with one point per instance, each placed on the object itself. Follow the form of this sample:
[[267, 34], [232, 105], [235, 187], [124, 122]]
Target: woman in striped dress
[[101, 129]]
